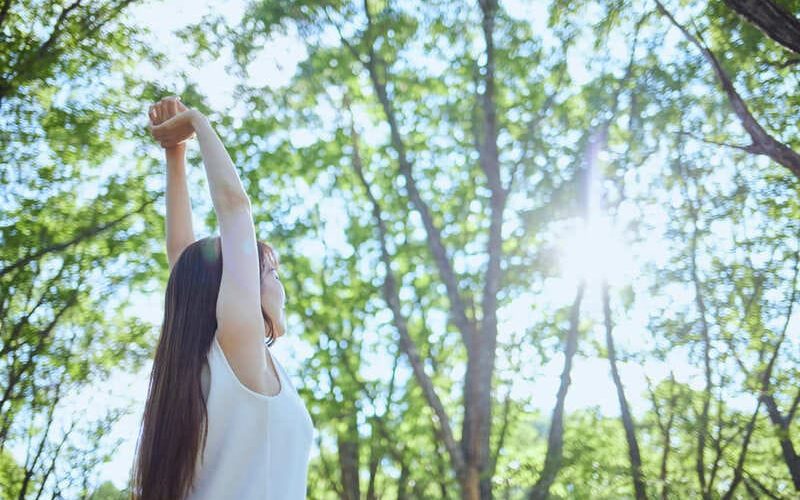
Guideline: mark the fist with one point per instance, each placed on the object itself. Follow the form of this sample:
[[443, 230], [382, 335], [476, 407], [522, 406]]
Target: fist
[[162, 111]]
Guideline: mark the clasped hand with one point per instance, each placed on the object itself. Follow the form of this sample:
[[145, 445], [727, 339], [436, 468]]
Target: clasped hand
[[171, 122]]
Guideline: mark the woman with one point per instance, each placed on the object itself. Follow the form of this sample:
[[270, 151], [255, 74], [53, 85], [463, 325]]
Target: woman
[[222, 420]]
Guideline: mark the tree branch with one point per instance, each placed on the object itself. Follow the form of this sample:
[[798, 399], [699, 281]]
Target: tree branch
[[771, 19], [763, 142], [739, 469], [440, 255], [392, 298], [82, 235]]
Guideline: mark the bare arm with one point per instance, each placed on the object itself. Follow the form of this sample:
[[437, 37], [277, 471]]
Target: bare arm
[[241, 329], [227, 191], [179, 231]]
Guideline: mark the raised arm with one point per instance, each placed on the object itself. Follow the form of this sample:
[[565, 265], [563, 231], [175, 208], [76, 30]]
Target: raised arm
[[241, 329], [179, 231]]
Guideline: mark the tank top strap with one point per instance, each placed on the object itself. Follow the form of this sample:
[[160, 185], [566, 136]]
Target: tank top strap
[[223, 376]]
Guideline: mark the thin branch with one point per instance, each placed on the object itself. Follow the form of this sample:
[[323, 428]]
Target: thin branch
[[392, 298], [503, 429], [763, 142], [747, 148], [739, 469], [82, 235]]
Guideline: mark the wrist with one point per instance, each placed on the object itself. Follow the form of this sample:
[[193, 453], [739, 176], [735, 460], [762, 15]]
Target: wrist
[[197, 119], [176, 153]]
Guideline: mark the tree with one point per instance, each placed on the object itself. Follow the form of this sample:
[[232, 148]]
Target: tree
[[78, 231]]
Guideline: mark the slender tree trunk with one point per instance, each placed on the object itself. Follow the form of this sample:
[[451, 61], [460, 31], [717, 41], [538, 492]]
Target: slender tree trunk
[[702, 433], [666, 433], [327, 469], [374, 461], [555, 439], [463, 458], [664, 469], [402, 483], [478, 419], [407, 345], [627, 419], [738, 472], [349, 459], [782, 422]]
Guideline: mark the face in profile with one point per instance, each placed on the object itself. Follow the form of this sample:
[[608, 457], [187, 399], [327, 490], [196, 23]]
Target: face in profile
[[273, 300]]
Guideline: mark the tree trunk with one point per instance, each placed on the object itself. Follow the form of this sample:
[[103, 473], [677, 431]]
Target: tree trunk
[[349, 460], [407, 345], [402, 491], [666, 433], [705, 335], [374, 461], [627, 418], [555, 439], [738, 472]]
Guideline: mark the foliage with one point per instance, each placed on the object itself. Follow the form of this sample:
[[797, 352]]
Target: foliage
[[604, 100]]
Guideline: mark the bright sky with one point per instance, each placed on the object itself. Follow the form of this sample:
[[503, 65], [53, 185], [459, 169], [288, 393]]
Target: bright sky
[[599, 248]]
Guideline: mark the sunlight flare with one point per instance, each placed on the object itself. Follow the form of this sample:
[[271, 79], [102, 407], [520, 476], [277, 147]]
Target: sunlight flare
[[595, 251]]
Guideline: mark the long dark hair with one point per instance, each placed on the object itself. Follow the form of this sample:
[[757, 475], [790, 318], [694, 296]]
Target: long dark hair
[[175, 424]]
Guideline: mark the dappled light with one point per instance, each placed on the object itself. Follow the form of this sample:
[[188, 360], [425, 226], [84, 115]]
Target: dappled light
[[368, 250]]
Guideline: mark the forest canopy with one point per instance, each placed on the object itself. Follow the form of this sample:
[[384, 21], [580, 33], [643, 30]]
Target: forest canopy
[[530, 249]]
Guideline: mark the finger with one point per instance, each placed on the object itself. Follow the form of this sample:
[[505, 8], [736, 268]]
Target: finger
[[151, 114], [161, 134], [160, 111], [156, 136], [173, 107], [169, 102], [181, 106], [157, 132]]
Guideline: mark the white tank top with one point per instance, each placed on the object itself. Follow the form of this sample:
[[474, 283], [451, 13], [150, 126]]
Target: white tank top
[[258, 446]]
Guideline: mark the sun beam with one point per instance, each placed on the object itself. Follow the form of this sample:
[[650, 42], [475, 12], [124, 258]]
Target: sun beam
[[595, 251]]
